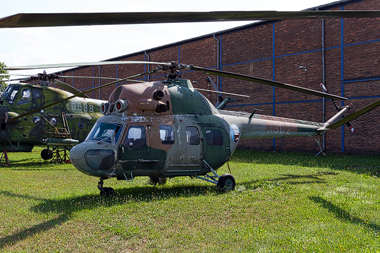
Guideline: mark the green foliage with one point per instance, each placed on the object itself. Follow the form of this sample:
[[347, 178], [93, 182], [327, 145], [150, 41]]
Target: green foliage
[[283, 202], [3, 85]]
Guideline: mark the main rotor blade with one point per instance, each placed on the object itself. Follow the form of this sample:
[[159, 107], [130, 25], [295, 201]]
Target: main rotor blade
[[265, 81], [70, 88], [222, 92], [17, 79], [89, 77], [82, 93], [117, 18], [80, 64]]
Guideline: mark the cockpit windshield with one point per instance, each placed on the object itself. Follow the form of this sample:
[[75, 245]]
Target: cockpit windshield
[[10, 93], [7, 90], [105, 132]]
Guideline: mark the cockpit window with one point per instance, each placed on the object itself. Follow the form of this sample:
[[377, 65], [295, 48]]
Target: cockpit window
[[25, 96], [13, 94], [105, 132], [6, 92], [10, 93]]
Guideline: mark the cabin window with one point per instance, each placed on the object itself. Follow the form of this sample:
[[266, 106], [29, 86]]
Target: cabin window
[[214, 137], [36, 93], [136, 137], [192, 135], [167, 134], [105, 132]]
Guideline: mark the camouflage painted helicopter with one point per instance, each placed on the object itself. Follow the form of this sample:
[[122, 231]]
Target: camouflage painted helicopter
[[167, 128], [30, 115]]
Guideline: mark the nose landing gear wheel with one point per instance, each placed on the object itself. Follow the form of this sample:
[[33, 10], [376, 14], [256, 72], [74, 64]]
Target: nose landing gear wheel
[[105, 191], [226, 183]]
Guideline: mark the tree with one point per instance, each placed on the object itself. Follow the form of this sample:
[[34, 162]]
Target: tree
[[3, 85]]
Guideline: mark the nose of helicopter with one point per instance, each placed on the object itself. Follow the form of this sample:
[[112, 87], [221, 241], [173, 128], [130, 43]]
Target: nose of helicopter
[[76, 153], [77, 158], [91, 160]]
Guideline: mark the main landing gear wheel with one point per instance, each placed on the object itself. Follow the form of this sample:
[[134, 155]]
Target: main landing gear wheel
[[226, 183], [155, 180], [47, 154], [105, 191]]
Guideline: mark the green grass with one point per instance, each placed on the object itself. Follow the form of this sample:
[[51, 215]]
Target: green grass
[[283, 202]]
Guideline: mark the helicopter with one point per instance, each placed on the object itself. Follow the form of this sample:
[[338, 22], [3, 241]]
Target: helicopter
[[25, 120], [167, 128]]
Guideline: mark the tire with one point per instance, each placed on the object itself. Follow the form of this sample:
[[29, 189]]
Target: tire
[[226, 183], [155, 180], [47, 154], [107, 191]]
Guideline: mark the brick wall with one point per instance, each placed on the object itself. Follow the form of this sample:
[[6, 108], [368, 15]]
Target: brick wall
[[275, 50]]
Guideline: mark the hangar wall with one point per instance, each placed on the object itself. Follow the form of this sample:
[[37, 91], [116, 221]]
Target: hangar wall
[[342, 53]]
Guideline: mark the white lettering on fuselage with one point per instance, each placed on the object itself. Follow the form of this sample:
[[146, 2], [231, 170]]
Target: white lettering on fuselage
[[81, 107], [279, 128]]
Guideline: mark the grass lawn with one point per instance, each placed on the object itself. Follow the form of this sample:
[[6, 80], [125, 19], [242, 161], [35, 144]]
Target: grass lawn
[[283, 202]]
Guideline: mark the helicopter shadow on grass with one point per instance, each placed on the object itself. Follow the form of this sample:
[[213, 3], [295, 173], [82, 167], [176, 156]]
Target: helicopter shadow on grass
[[33, 230], [342, 214], [28, 232], [288, 179], [27, 165], [66, 207]]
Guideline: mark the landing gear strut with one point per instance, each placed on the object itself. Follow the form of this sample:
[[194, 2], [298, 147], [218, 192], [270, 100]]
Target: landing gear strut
[[58, 154], [105, 191], [225, 182], [5, 157]]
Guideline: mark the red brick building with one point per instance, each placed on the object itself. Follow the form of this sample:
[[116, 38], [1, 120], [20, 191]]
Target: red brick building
[[342, 53]]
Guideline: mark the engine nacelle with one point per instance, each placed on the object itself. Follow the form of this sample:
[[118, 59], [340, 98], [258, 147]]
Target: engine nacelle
[[121, 105], [104, 108], [158, 95]]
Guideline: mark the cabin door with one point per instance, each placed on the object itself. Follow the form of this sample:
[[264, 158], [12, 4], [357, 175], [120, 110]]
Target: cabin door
[[25, 100], [185, 155], [134, 147], [216, 146]]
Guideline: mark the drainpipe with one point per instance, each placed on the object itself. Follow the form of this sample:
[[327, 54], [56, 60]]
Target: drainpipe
[[100, 82], [93, 81], [147, 57], [324, 82], [117, 73], [72, 80], [217, 60]]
